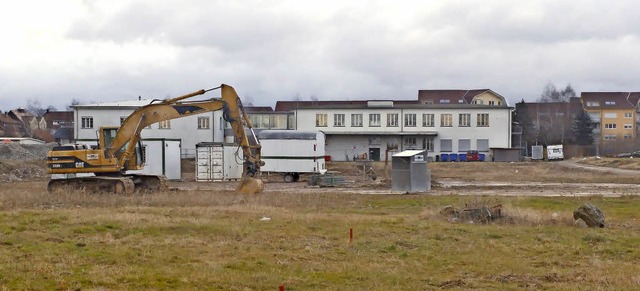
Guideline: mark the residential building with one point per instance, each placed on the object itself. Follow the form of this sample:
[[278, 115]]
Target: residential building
[[616, 117], [553, 121], [10, 127]]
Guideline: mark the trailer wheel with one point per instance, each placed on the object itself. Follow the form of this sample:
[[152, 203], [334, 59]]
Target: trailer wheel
[[296, 177], [288, 178]]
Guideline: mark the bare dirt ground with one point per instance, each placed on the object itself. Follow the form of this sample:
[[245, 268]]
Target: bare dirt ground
[[611, 177], [577, 177]]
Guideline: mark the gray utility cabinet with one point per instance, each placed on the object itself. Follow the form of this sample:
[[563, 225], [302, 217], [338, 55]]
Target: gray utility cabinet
[[409, 172], [218, 162]]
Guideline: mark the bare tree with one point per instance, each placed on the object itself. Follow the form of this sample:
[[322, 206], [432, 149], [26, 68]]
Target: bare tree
[[74, 102], [551, 94], [35, 107]]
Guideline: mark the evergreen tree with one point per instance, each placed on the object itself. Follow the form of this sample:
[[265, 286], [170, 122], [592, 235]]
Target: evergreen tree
[[522, 117], [582, 128]]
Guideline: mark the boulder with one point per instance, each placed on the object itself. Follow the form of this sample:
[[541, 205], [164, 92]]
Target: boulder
[[590, 214]]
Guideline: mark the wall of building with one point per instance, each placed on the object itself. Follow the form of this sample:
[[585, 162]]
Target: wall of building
[[348, 141], [185, 129]]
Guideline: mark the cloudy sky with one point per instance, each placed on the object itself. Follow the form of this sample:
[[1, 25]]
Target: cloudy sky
[[111, 50]]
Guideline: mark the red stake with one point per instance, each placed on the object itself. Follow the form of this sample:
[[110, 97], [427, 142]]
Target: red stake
[[281, 288], [350, 234]]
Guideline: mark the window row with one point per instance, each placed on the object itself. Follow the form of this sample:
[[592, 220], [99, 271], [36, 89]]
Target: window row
[[446, 145], [410, 120], [203, 123], [614, 126]]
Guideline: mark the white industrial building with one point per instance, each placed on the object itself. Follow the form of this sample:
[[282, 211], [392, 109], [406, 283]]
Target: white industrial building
[[440, 121], [204, 127]]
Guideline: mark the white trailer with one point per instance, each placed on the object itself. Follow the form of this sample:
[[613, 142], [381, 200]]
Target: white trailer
[[218, 162], [292, 152], [554, 152]]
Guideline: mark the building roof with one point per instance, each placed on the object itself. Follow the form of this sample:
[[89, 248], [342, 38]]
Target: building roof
[[258, 109], [58, 117], [132, 104], [454, 96], [610, 100]]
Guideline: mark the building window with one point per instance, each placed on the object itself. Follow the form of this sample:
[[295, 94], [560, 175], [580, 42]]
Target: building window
[[444, 101], [628, 126], [278, 121], [610, 137], [610, 125], [356, 120], [611, 115], [392, 119], [593, 103], [166, 124], [464, 145], [627, 136], [338, 120], [479, 102], [87, 122], [464, 120], [122, 118], [374, 119], [445, 120], [492, 102], [410, 120], [428, 144], [628, 115], [203, 122], [321, 120], [483, 119], [410, 142], [445, 145], [483, 145], [427, 120], [610, 103]]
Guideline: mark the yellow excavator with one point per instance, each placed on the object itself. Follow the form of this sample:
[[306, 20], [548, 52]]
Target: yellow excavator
[[119, 149]]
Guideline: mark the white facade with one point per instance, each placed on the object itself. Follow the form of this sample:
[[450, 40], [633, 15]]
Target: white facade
[[190, 130], [370, 141]]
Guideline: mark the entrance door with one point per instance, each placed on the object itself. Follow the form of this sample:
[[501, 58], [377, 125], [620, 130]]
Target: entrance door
[[374, 154]]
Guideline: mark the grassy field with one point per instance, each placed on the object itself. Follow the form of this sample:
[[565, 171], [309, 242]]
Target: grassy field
[[224, 241]]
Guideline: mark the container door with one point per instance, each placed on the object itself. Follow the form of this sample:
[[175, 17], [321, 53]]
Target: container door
[[203, 164], [217, 161]]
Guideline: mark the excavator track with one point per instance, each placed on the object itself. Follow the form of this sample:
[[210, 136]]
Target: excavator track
[[117, 185], [149, 183]]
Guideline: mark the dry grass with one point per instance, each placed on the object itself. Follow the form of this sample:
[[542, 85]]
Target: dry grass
[[223, 241]]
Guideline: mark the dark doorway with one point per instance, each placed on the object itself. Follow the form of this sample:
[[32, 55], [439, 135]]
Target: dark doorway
[[374, 154]]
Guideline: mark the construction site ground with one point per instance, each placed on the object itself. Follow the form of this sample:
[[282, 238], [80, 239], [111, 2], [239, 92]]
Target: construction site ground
[[576, 177]]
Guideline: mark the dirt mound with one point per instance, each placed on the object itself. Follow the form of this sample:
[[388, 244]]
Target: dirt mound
[[11, 171], [20, 162], [24, 152]]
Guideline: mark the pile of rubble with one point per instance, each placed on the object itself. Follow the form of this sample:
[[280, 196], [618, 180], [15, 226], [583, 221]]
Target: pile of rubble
[[24, 152], [473, 213], [20, 162]]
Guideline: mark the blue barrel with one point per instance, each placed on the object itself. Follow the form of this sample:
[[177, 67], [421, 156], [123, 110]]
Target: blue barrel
[[453, 157], [462, 157], [481, 157], [444, 157]]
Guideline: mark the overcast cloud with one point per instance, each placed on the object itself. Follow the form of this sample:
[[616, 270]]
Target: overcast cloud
[[98, 51]]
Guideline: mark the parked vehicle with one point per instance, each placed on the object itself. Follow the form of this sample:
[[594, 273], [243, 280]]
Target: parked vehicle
[[554, 152]]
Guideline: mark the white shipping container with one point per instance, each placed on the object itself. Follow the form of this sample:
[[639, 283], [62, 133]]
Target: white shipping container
[[218, 162], [292, 152]]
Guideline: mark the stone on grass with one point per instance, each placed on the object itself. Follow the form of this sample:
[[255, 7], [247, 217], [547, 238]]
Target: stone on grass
[[590, 214]]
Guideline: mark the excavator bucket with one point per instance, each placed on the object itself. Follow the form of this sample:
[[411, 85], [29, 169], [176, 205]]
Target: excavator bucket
[[250, 185]]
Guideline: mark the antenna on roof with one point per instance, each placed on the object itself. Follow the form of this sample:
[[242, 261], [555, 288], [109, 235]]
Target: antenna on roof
[[139, 98]]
